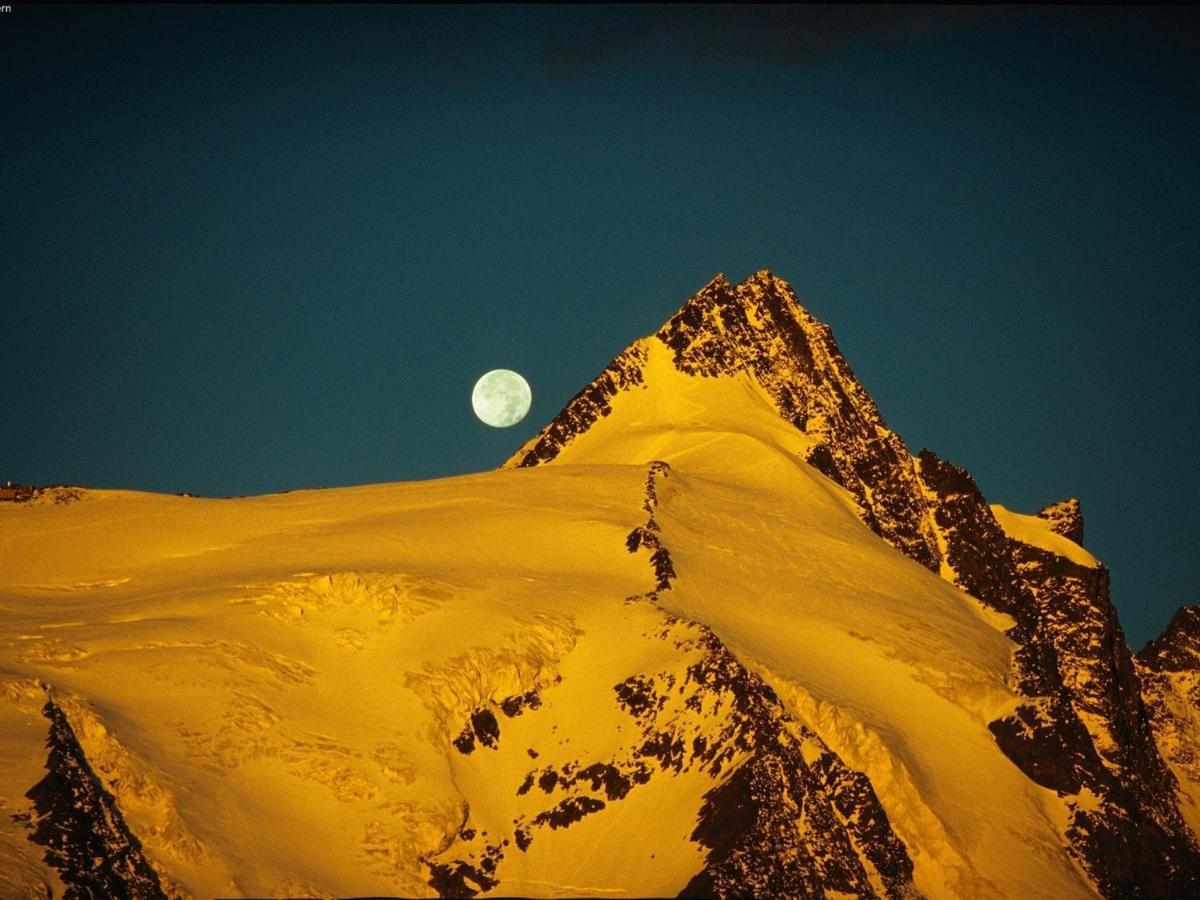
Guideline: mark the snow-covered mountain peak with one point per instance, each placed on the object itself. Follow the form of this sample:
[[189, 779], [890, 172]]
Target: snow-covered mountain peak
[[791, 371], [758, 325], [748, 362], [670, 649]]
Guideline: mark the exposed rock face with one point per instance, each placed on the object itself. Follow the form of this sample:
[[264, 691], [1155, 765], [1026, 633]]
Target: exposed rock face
[[1169, 670], [1136, 842], [976, 548], [82, 829], [1086, 727], [1065, 518], [1085, 731], [1177, 649], [792, 819], [787, 817]]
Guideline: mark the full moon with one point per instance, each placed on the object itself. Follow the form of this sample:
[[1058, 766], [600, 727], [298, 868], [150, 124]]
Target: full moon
[[501, 398]]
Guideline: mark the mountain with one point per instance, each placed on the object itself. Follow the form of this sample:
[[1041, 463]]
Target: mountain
[[1085, 732], [714, 631], [1169, 670]]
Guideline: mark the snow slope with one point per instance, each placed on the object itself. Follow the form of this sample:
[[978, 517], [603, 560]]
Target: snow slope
[[270, 686]]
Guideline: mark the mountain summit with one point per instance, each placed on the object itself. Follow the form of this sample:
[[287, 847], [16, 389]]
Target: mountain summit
[[713, 631], [1085, 731], [759, 331]]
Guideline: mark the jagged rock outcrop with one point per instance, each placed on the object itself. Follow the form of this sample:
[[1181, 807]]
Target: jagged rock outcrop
[[1065, 518], [1086, 728], [1177, 649], [1169, 671], [792, 819], [1085, 731], [786, 816], [585, 408], [81, 827]]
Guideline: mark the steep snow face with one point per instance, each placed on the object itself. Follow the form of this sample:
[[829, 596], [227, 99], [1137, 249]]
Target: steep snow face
[[786, 594]]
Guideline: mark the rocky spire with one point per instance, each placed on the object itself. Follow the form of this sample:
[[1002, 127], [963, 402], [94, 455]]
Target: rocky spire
[[1177, 649], [1065, 518], [1169, 671]]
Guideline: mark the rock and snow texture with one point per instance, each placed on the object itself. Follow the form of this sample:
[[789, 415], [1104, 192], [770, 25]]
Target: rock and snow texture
[[782, 814], [757, 328], [712, 632], [77, 820], [1169, 668], [1065, 518]]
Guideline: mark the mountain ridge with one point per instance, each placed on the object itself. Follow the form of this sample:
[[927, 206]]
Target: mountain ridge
[[1087, 715]]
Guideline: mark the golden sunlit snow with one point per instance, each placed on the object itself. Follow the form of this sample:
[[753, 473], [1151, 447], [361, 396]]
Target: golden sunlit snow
[[270, 686]]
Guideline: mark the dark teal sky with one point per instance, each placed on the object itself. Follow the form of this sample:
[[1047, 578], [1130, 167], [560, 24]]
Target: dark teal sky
[[246, 249]]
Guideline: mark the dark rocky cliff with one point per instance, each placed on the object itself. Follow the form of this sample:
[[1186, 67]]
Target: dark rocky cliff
[[1168, 669], [81, 827]]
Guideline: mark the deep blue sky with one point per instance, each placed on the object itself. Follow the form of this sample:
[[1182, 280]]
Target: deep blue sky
[[246, 249]]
